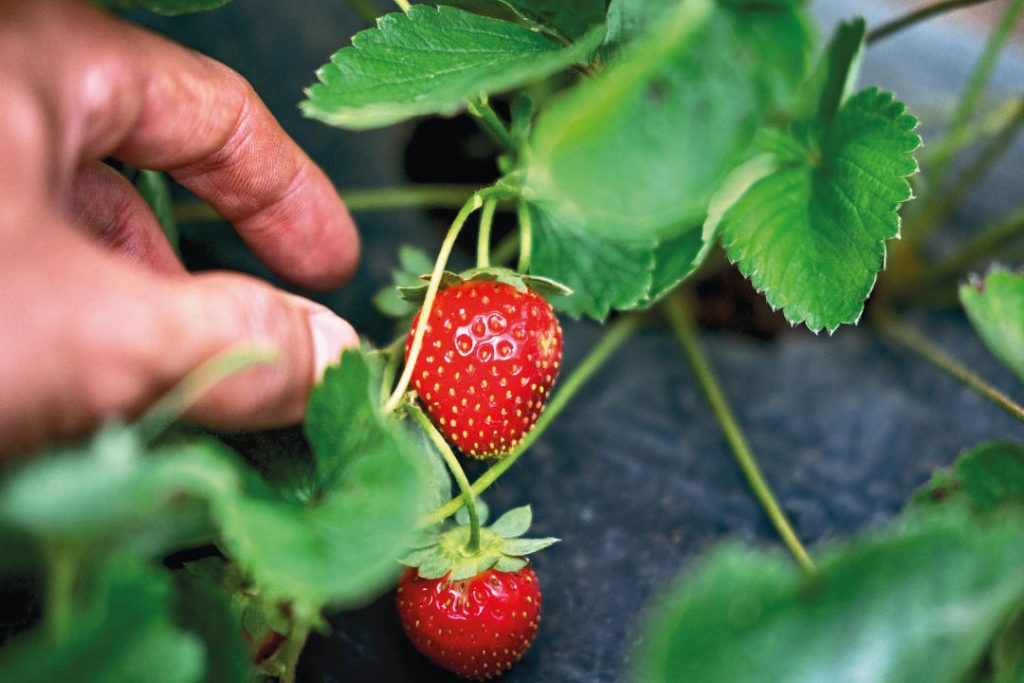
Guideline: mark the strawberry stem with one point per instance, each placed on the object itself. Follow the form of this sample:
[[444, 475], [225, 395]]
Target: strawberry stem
[[481, 110], [912, 340], [471, 205], [525, 236], [403, 5], [483, 245], [682, 324], [616, 334], [468, 499]]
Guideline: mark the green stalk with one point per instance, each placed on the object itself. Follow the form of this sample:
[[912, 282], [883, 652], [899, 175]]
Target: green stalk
[[293, 649], [393, 351], [468, 499], [525, 236], [686, 332], [918, 15], [403, 5], [616, 334], [912, 340], [359, 200], [976, 84], [988, 242], [483, 245], [471, 205], [939, 208], [488, 119], [365, 9], [60, 581]]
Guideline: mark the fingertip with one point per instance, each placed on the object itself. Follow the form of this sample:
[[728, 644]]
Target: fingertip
[[331, 336]]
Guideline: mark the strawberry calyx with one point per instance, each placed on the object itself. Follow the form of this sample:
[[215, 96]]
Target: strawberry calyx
[[501, 547], [546, 287]]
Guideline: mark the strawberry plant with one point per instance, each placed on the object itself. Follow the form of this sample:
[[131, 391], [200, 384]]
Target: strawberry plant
[[643, 148]]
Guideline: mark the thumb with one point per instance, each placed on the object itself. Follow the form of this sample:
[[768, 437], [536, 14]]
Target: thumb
[[88, 337], [224, 310]]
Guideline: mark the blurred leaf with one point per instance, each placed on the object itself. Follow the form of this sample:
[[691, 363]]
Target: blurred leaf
[[921, 606], [604, 273], [168, 7], [124, 632], [204, 608], [413, 262], [988, 478], [995, 305], [569, 19], [639, 149], [811, 235], [836, 74], [432, 60]]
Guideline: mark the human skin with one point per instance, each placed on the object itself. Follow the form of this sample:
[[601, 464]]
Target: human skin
[[97, 317]]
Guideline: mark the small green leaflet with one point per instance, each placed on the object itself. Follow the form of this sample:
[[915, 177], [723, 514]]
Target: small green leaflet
[[986, 479], [995, 305], [811, 235], [413, 262], [622, 168], [123, 632], [432, 60], [918, 605], [567, 19], [168, 7]]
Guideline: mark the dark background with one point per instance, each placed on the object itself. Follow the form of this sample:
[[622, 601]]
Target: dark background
[[635, 476]]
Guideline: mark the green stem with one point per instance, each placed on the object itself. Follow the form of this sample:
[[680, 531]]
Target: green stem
[[991, 124], [944, 201], [525, 236], [616, 334], [918, 15], [403, 5], [483, 245], [60, 581], [912, 340], [471, 205], [989, 241], [468, 498], [198, 382], [359, 200], [293, 650], [481, 110], [976, 84], [686, 332], [394, 355], [365, 9]]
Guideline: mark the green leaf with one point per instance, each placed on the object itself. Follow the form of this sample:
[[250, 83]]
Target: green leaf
[[125, 632], [413, 262], [995, 305], [568, 19], [513, 523], [168, 7], [921, 606], [639, 149], [629, 18], [204, 608], [988, 478], [836, 75], [811, 235], [604, 272], [341, 547], [1007, 656], [432, 60]]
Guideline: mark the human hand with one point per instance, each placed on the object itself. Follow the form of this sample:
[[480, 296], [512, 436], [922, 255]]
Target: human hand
[[97, 316]]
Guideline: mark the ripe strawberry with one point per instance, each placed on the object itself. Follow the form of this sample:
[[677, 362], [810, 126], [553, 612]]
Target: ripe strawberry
[[490, 356], [478, 627]]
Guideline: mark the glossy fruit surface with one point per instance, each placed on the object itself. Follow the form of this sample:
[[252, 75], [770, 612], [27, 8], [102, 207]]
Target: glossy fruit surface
[[490, 356], [478, 628]]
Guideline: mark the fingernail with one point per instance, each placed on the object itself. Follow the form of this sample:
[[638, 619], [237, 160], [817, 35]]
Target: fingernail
[[331, 335]]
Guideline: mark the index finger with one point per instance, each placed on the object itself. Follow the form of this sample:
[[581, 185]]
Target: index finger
[[155, 104]]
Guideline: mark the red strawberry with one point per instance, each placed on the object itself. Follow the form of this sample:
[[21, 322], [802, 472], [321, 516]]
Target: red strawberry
[[477, 627], [490, 356]]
